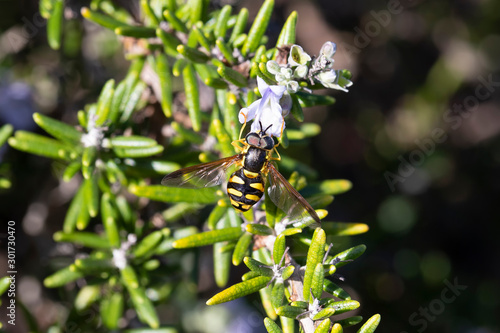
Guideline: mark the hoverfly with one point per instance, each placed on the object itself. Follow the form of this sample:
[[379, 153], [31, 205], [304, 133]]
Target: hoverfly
[[246, 185]]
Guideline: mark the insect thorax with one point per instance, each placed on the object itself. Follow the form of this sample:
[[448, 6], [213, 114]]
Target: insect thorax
[[255, 159]]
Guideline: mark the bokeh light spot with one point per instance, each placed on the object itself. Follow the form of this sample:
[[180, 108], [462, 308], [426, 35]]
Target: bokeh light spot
[[396, 214], [435, 267]]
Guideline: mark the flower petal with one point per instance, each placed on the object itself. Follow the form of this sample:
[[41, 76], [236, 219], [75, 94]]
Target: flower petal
[[262, 85], [247, 114]]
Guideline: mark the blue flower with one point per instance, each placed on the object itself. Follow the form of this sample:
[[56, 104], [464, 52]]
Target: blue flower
[[268, 111]]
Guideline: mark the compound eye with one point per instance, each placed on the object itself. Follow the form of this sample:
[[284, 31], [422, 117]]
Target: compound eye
[[267, 142], [253, 139]]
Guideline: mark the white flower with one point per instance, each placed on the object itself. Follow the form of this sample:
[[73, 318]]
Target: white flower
[[298, 56], [334, 79], [267, 111]]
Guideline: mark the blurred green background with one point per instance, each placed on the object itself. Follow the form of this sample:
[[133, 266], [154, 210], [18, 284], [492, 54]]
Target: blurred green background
[[417, 134]]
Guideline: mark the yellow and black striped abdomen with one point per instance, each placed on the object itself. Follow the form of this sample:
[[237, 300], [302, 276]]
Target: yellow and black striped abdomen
[[245, 188]]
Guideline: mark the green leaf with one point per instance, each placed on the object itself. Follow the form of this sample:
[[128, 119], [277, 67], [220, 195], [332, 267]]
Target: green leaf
[[344, 228], [201, 38], [111, 309], [71, 170], [308, 100], [216, 214], [232, 76], [132, 100], [239, 290], [278, 294], [101, 19], [271, 326], [230, 109], [109, 216], [265, 297], [223, 138], [314, 256], [289, 311], [137, 152], [146, 247], [192, 96], [91, 196], [351, 321], [331, 187], [192, 54], [87, 296], [136, 32], [148, 11], [222, 258], [258, 267], [54, 25], [287, 324], [165, 78], [287, 272], [104, 102], [279, 249], [324, 313], [171, 194], [337, 328], [296, 110], [323, 327], [4, 284], [62, 277], [94, 265], [56, 128], [208, 237], [71, 218], [142, 304], [348, 255], [176, 23], [216, 83], [41, 145], [371, 324], [320, 201], [45, 7], [258, 28], [343, 306], [132, 141], [335, 290], [241, 248], [317, 281], [118, 97], [196, 10], [239, 26], [226, 51], [259, 229], [170, 42], [221, 23], [87, 239]]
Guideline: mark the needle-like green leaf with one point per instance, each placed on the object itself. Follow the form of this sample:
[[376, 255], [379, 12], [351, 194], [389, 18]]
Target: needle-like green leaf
[[258, 28], [239, 290]]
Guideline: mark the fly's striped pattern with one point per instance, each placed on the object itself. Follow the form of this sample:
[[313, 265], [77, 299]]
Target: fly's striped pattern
[[245, 189]]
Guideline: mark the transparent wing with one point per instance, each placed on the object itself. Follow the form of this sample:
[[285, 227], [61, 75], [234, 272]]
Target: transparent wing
[[202, 175], [285, 197]]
